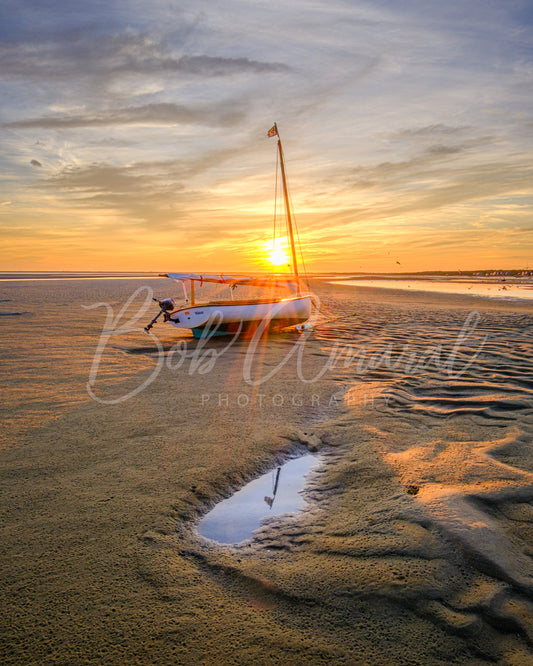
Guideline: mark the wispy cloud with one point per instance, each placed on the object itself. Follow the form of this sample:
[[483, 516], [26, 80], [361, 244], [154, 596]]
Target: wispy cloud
[[155, 195], [420, 185], [435, 162], [148, 114], [435, 132], [75, 54]]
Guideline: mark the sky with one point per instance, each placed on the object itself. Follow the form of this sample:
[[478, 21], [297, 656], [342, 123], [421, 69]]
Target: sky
[[134, 134]]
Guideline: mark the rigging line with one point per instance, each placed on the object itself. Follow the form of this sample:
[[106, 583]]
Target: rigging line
[[275, 202], [287, 231], [289, 210], [300, 249], [295, 226]]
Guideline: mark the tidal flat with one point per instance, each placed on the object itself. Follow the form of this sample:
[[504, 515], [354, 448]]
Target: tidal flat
[[415, 543]]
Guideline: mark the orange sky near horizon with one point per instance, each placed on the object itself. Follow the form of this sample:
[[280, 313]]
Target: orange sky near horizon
[[391, 245]]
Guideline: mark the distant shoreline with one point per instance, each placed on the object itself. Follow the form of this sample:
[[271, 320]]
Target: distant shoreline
[[354, 275]]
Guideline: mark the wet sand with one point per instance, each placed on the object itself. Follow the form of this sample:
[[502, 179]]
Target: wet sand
[[416, 544]]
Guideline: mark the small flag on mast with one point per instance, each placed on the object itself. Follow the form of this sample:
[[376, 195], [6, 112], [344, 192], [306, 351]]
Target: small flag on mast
[[273, 131]]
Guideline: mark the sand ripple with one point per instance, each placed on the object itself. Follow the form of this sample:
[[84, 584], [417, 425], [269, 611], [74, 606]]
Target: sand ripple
[[460, 434]]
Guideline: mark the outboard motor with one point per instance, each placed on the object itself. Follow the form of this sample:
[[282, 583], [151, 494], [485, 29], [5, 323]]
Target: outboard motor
[[166, 305]]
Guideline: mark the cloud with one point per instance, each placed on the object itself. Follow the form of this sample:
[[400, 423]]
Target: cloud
[[120, 54], [161, 113], [468, 185], [437, 188], [433, 162], [436, 130], [155, 199], [388, 174], [217, 66], [154, 194]]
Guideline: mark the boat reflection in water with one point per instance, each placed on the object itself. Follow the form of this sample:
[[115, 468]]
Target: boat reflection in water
[[235, 519], [270, 500]]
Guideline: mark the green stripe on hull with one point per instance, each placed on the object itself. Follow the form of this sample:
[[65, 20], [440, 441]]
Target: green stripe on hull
[[198, 332]]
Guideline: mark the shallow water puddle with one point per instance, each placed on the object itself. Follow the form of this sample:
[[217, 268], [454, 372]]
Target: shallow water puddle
[[234, 519]]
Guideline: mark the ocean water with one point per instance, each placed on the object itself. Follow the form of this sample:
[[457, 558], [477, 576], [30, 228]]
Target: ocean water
[[506, 288]]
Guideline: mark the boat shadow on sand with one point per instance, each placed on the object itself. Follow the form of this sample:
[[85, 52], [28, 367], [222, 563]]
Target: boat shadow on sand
[[190, 344]]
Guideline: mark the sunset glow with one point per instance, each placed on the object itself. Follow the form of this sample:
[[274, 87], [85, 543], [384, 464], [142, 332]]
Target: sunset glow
[[279, 257], [277, 253], [407, 135]]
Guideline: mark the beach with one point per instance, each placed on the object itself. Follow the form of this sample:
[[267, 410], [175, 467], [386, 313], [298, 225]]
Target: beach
[[415, 545]]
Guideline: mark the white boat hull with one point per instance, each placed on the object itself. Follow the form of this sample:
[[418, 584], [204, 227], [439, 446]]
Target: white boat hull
[[229, 316]]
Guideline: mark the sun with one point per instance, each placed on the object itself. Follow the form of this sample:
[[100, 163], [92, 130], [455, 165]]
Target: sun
[[278, 257], [275, 253]]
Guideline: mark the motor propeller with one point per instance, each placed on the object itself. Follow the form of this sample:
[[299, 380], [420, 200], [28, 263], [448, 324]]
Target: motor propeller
[[166, 305]]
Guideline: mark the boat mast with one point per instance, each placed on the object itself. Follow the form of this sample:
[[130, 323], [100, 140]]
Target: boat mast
[[287, 208]]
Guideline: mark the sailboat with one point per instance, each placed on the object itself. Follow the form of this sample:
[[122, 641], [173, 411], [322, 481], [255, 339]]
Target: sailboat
[[219, 317]]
